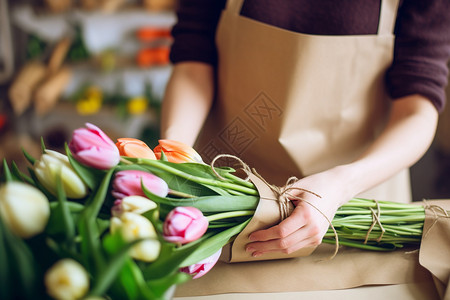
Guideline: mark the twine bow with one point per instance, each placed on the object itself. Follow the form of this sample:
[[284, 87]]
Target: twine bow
[[439, 212], [282, 195]]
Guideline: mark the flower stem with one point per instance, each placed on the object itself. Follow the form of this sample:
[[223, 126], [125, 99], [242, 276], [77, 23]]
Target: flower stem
[[230, 214], [201, 180], [180, 194]]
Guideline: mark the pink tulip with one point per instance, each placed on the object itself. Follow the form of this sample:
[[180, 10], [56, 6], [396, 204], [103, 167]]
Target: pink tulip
[[92, 147], [184, 225], [128, 183], [202, 267]]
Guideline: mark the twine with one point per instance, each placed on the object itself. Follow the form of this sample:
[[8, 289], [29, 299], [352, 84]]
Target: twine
[[376, 217], [435, 209], [281, 193]]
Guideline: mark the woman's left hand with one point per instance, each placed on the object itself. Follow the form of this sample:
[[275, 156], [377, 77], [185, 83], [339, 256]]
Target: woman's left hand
[[310, 219]]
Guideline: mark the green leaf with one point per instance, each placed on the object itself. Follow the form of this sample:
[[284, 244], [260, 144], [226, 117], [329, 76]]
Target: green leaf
[[208, 204], [22, 259], [163, 156], [6, 171], [88, 229], [161, 287], [20, 175], [175, 182], [170, 259], [213, 244], [43, 148], [90, 176], [30, 158], [94, 204], [55, 225], [130, 279], [90, 245], [108, 274], [5, 273], [67, 220]]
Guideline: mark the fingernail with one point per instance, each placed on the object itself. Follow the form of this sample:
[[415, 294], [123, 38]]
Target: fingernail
[[250, 249], [256, 254], [251, 238]]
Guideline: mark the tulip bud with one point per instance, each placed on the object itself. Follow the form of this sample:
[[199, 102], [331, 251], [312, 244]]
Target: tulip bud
[[67, 280], [24, 208], [132, 227], [128, 183], [202, 267], [184, 224], [134, 204], [134, 148], [92, 147], [53, 164], [177, 152]]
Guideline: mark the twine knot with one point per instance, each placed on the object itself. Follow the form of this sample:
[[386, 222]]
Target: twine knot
[[282, 195]]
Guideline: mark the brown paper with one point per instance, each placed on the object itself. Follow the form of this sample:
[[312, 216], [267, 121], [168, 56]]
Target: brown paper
[[435, 245], [350, 268], [267, 214]]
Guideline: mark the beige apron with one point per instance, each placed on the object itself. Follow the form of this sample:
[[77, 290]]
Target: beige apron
[[291, 104], [295, 104]]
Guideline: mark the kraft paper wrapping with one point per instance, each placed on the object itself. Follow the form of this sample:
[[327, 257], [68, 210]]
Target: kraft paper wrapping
[[435, 245], [351, 268], [266, 215]]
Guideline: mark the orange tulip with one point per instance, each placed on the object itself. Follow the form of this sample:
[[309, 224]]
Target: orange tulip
[[176, 152], [134, 148]]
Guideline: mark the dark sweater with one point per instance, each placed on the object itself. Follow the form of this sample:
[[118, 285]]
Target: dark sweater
[[422, 44]]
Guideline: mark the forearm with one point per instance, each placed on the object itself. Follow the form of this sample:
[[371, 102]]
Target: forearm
[[187, 101], [407, 136]]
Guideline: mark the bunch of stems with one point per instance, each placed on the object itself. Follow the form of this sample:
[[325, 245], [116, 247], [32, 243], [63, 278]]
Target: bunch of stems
[[377, 225]]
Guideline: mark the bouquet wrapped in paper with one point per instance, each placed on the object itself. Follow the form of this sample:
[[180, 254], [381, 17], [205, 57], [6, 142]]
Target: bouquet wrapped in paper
[[123, 221]]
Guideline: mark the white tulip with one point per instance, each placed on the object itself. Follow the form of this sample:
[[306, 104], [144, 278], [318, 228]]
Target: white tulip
[[52, 164], [135, 204], [132, 227], [67, 280], [24, 208]]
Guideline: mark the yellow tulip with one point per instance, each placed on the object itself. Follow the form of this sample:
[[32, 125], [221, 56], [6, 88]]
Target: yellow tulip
[[132, 227], [52, 164], [67, 280], [135, 204], [24, 208]]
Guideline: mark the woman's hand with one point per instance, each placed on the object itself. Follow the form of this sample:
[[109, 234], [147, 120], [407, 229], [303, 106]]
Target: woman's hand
[[311, 217]]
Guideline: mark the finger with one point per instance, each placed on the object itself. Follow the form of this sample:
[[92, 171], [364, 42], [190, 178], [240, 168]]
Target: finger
[[288, 226], [310, 242], [287, 244]]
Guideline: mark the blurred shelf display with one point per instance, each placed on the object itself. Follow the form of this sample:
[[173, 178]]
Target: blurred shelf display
[[117, 47], [104, 62]]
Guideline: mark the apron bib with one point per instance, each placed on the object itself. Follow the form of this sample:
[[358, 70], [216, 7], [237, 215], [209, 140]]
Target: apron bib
[[292, 104], [295, 104]]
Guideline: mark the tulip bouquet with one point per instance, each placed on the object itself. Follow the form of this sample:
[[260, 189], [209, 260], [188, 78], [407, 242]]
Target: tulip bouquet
[[123, 221], [114, 220]]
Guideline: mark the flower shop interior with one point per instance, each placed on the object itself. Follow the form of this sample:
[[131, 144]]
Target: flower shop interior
[[65, 63]]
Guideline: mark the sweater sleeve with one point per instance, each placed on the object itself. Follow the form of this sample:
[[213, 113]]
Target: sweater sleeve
[[422, 50], [194, 33]]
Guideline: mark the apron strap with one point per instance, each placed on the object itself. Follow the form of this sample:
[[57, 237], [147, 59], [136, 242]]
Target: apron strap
[[388, 15], [234, 6]]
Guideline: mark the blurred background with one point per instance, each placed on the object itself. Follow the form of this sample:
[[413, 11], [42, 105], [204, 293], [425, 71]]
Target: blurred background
[[67, 62]]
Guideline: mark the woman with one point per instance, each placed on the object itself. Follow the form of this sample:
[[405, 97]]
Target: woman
[[303, 90]]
